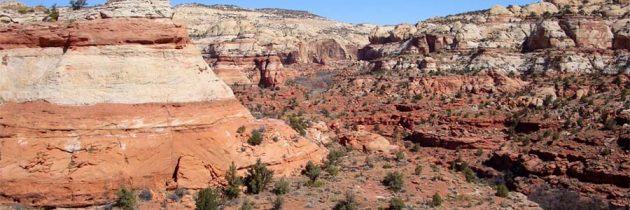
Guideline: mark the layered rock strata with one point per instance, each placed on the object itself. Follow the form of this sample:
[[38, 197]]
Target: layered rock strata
[[580, 37], [295, 36], [93, 106]]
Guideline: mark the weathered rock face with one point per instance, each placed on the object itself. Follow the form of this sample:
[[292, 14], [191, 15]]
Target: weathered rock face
[[549, 34], [81, 106], [296, 36], [535, 38], [588, 34]]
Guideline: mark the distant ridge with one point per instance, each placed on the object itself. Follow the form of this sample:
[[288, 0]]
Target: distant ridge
[[285, 13]]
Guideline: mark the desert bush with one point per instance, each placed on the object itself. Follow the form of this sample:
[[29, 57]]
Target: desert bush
[[469, 174], [53, 13], [418, 170], [240, 130], [126, 199], [281, 187], [436, 200], [207, 199], [400, 156], [256, 138], [298, 124], [348, 203], [396, 204], [258, 177], [394, 181], [311, 171], [278, 203], [247, 205], [234, 183], [502, 191], [78, 4]]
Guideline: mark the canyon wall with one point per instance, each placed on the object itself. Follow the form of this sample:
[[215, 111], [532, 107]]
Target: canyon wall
[[90, 106], [583, 37]]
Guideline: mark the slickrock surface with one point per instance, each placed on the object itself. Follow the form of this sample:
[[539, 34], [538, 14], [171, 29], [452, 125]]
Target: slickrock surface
[[92, 106]]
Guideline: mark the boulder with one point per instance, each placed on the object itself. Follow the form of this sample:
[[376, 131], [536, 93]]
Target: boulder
[[549, 34], [367, 142]]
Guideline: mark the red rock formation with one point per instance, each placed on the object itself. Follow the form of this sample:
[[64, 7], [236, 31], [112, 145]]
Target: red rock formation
[[81, 34], [588, 33], [268, 67], [124, 102]]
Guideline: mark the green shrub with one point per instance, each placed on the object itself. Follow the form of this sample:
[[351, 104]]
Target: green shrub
[[394, 181], [502, 191], [234, 183], [298, 124], [256, 138], [53, 13], [333, 170], [281, 187], [311, 171], [400, 156], [418, 170], [479, 152], [207, 199], [396, 204], [415, 148], [247, 205], [470, 175], [436, 200], [334, 156], [278, 203], [241, 130], [258, 176], [126, 199], [348, 203]]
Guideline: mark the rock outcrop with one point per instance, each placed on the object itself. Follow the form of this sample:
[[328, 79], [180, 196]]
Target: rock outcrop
[[89, 107], [295, 36], [541, 37]]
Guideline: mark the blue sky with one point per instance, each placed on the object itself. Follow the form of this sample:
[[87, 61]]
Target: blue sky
[[352, 11]]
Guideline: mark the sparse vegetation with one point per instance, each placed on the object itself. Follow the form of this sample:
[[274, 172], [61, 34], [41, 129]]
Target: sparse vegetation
[[240, 130], [78, 4], [53, 13], [234, 183], [436, 200], [394, 181], [311, 171], [418, 170], [126, 199], [298, 124], [256, 138], [281, 187], [396, 204], [278, 203], [502, 191], [207, 199], [348, 203], [258, 177], [247, 205]]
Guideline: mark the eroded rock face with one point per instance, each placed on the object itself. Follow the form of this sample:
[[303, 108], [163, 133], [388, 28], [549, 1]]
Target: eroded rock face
[[295, 36], [81, 106]]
